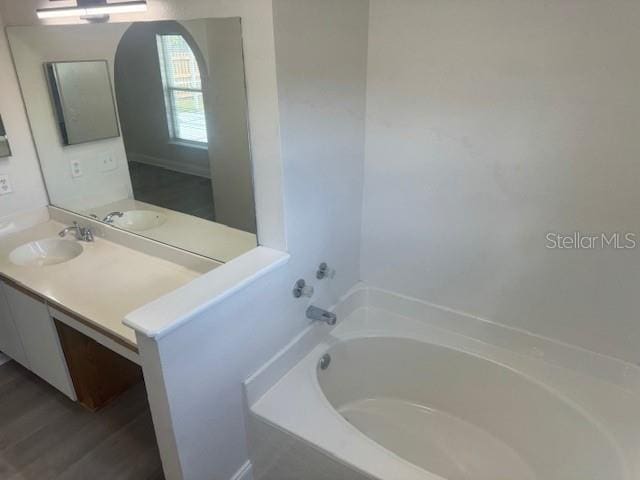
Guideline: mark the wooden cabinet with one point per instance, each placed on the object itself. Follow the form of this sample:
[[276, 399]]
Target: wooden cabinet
[[10, 342], [39, 338], [99, 374]]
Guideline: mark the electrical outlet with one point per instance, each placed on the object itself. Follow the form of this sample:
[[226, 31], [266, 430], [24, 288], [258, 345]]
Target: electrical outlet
[[108, 163], [5, 185], [76, 168]]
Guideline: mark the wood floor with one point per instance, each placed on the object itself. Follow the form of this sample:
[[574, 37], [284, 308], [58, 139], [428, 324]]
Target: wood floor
[[177, 191], [46, 436]]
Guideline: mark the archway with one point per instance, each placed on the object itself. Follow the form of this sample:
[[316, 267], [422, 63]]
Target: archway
[[166, 142]]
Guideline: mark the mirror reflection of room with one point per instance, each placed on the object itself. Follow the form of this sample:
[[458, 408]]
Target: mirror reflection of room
[[144, 126], [174, 109], [162, 79]]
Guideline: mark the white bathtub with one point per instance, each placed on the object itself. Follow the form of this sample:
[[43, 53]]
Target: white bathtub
[[402, 400]]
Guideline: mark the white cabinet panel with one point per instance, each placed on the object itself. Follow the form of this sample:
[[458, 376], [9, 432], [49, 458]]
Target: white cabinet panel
[[10, 342], [40, 339]]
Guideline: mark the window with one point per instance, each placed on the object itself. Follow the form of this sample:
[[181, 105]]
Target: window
[[183, 89]]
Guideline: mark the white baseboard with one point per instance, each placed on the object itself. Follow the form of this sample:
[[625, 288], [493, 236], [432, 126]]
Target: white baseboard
[[245, 472]]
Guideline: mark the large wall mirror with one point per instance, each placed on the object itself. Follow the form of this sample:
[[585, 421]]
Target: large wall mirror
[[144, 126]]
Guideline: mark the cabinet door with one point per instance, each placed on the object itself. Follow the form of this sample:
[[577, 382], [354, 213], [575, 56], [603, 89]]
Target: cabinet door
[[10, 343], [40, 339]]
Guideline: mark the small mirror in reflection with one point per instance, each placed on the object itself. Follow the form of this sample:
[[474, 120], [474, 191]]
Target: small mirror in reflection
[[82, 99]]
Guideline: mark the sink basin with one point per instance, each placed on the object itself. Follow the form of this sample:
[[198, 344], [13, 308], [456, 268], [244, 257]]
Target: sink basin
[[140, 220], [50, 251]]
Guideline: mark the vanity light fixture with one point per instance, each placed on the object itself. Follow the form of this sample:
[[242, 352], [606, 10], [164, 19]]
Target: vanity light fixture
[[93, 9]]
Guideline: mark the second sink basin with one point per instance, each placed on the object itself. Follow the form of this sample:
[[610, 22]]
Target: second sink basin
[[49, 251], [139, 220]]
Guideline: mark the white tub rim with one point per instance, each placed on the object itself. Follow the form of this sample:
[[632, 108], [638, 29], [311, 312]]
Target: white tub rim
[[316, 340]]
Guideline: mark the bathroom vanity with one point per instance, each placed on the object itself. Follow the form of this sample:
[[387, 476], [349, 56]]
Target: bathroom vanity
[[153, 157], [156, 157], [62, 302]]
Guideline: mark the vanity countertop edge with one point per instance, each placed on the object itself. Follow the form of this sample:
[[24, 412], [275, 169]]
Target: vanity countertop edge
[[100, 287]]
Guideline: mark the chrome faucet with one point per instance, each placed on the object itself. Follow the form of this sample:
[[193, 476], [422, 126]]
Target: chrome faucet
[[84, 234], [321, 315], [109, 217]]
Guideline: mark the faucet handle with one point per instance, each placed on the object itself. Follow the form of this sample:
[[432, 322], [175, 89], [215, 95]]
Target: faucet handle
[[87, 234], [301, 289], [109, 217], [324, 271]]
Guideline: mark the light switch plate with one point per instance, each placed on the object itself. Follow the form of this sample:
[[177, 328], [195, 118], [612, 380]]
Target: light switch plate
[[107, 163], [5, 185], [76, 168]]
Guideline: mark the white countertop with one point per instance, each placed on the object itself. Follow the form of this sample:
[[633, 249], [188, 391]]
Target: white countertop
[[102, 285]]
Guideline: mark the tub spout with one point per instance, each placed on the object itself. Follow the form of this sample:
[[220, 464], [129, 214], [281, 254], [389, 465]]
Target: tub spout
[[318, 314]]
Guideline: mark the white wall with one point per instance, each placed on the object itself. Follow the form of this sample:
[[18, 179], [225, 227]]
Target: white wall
[[490, 124], [321, 65], [22, 167], [321, 68]]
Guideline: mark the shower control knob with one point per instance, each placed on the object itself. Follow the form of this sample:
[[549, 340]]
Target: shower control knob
[[301, 289], [324, 271]]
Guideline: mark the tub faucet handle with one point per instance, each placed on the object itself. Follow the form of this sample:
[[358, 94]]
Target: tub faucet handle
[[301, 289], [324, 271]]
